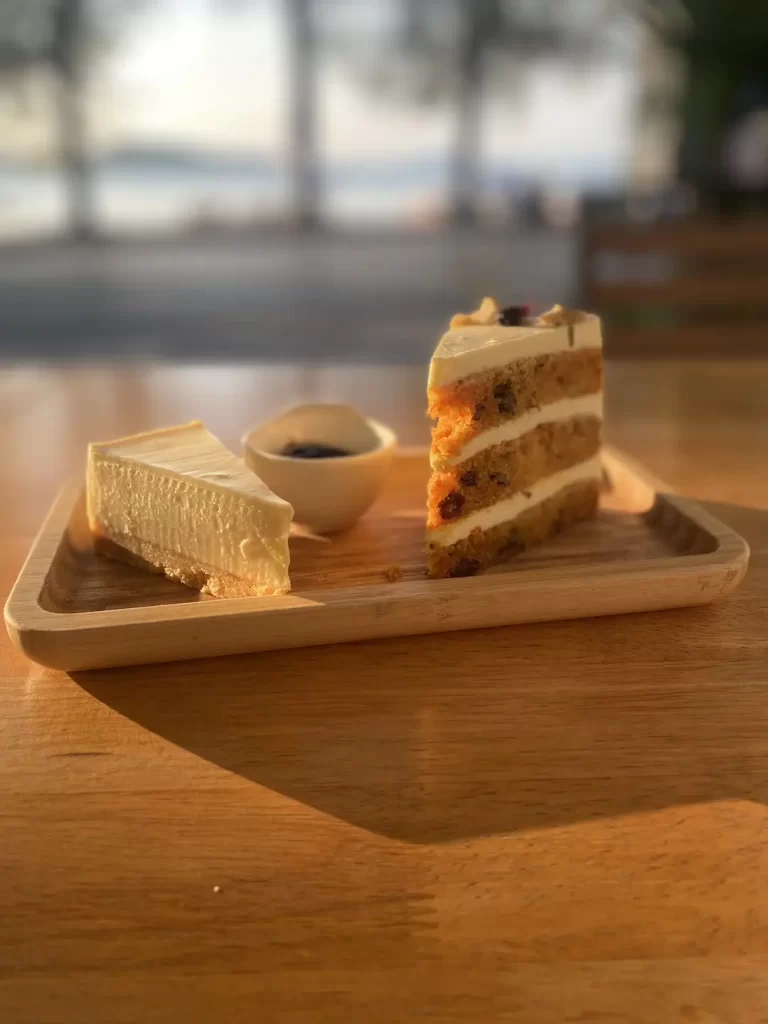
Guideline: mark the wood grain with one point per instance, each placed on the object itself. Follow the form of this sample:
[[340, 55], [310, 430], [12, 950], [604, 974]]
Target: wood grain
[[556, 822]]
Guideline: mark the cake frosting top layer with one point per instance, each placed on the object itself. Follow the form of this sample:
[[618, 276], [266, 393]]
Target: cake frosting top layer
[[191, 451], [463, 351]]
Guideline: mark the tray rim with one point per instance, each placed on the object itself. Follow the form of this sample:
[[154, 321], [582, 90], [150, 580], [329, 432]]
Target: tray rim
[[28, 622]]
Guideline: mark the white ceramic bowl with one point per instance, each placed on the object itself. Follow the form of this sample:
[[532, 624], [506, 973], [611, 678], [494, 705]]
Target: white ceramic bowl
[[328, 494]]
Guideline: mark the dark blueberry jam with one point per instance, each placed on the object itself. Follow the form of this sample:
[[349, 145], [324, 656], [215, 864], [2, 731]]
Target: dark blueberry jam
[[308, 450], [514, 316]]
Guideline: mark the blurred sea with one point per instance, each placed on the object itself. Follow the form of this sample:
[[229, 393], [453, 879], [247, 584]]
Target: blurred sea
[[153, 191], [193, 271]]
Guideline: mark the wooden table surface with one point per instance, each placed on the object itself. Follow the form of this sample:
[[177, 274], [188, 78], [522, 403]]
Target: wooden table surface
[[559, 822]]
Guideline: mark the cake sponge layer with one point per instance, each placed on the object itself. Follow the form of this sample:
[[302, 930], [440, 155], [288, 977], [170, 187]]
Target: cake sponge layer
[[503, 469], [486, 400], [483, 548]]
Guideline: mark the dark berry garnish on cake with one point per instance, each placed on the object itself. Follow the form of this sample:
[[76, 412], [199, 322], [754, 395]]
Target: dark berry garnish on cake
[[451, 505], [514, 316]]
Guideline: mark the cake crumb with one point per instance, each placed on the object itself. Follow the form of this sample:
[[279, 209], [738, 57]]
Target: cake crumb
[[217, 888], [393, 573]]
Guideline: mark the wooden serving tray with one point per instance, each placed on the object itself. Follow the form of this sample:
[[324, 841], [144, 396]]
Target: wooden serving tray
[[71, 609]]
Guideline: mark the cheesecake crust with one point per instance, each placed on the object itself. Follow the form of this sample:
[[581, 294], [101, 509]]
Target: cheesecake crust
[[199, 576]]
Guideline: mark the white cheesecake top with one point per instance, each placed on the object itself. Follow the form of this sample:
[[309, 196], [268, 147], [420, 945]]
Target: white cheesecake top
[[191, 451], [463, 351]]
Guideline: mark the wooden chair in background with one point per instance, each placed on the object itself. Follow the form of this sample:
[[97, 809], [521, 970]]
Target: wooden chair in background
[[690, 287]]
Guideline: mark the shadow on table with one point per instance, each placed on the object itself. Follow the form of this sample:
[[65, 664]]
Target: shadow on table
[[483, 732]]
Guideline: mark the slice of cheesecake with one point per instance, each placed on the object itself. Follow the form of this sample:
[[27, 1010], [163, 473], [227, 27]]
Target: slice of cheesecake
[[177, 502]]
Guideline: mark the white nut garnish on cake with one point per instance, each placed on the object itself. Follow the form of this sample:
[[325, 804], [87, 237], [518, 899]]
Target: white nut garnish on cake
[[559, 316], [486, 313]]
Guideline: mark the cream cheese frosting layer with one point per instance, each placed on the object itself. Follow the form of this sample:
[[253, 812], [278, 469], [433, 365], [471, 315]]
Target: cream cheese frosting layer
[[511, 430], [511, 508], [467, 350]]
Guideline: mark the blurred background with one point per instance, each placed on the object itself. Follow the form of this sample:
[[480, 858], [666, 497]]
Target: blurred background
[[331, 179]]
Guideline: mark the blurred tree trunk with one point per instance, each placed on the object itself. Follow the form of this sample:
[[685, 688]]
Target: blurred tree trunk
[[704, 117], [725, 57], [68, 31], [302, 58], [466, 168]]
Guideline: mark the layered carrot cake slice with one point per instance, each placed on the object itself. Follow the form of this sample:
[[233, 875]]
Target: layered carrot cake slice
[[515, 453]]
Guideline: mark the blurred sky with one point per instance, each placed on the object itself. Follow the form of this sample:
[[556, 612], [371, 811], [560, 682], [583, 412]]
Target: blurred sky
[[185, 71]]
